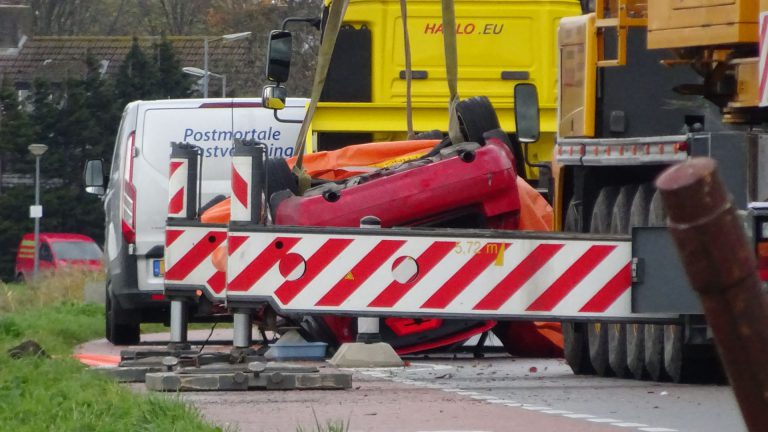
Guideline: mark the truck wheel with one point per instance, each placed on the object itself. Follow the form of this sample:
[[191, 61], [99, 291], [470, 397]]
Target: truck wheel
[[636, 350], [597, 339], [654, 351], [635, 333], [575, 348], [638, 215], [617, 349], [617, 333], [476, 116], [673, 351], [597, 333], [117, 331]]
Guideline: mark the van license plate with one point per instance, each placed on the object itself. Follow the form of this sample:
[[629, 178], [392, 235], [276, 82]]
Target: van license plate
[[158, 267]]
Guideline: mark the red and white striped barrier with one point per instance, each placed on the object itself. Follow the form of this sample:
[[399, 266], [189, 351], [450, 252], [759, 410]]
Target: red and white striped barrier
[[177, 188], [430, 276], [188, 251], [242, 172]]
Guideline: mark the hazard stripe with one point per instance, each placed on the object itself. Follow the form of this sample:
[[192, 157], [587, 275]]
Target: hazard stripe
[[257, 268], [568, 280], [523, 272], [200, 251], [171, 236], [175, 166], [239, 188], [176, 204], [360, 273], [217, 282], [612, 290], [462, 278], [234, 242], [315, 264], [425, 262]]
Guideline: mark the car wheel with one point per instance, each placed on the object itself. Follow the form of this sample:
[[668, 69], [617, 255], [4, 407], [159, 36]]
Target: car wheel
[[476, 117], [120, 329]]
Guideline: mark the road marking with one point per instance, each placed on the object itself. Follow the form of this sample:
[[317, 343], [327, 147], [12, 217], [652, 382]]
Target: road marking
[[657, 429], [632, 425], [500, 401], [578, 416], [482, 397], [603, 420], [559, 412], [534, 407]]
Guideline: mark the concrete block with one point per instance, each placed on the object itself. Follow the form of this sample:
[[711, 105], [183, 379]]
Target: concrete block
[[169, 381], [362, 355]]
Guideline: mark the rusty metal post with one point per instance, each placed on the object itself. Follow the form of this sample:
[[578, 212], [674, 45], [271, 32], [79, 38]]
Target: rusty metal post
[[722, 269]]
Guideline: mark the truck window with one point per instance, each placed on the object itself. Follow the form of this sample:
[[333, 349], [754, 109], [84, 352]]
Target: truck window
[[45, 252]]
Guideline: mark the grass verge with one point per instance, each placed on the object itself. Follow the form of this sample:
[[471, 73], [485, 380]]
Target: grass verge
[[58, 393]]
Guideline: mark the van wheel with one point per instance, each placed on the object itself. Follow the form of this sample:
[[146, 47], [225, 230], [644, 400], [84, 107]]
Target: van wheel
[[20, 278], [116, 330], [476, 117]]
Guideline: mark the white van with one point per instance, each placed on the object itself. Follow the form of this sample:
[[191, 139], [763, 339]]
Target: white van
[[136, 192]]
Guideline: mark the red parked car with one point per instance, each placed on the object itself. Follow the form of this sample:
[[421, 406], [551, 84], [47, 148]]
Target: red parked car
[[57, 251]]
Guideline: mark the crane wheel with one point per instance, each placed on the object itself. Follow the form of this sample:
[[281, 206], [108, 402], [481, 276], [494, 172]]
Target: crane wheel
[[617, 349], [635, 334], [673, 351], [617, 333], [575, 348], [654, 351], [635, 338], [597, 333]]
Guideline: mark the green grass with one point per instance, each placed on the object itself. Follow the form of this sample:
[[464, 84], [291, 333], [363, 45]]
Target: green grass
[[39, 394]]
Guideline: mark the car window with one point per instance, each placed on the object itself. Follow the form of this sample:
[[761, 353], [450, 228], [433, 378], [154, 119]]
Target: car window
[[45, 253], [76, 250]]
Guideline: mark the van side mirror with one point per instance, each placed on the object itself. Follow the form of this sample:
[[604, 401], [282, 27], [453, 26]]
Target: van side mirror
[[279, 56], [274, 97], [94, 178], [527, 112]]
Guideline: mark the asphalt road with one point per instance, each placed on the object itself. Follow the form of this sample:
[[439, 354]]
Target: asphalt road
[[461, 394]]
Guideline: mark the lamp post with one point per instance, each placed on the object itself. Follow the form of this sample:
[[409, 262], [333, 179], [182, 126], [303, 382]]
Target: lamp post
[[226, 38], [36, 211], [201, 73]]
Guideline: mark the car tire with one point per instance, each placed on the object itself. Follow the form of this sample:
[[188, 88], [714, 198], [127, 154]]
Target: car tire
[[476, 117], [119, 329]]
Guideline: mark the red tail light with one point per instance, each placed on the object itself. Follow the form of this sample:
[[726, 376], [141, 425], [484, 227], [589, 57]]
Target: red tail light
[[128, 199]]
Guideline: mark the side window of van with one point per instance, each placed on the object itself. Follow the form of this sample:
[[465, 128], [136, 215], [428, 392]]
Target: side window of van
[[45, 252]]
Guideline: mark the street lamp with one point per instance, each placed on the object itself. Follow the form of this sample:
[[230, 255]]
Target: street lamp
[[36, 211], [201, 73], [226, 38]]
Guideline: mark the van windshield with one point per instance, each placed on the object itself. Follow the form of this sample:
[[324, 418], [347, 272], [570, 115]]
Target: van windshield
[[76, 250]]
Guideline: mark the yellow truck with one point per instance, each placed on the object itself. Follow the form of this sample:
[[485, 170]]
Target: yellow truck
[[500, 43]]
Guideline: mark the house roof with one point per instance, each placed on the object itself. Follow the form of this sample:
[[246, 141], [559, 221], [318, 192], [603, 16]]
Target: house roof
[[59, 58]]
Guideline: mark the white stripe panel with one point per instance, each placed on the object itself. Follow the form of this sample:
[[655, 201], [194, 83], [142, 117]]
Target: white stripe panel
[[594, 281], [178, 181], [546, 276], [493, 275], [414, 247], [238, 212]]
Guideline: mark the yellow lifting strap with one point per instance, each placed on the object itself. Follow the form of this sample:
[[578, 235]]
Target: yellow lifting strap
[[451, 69], [330, 33], [408, 70]]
